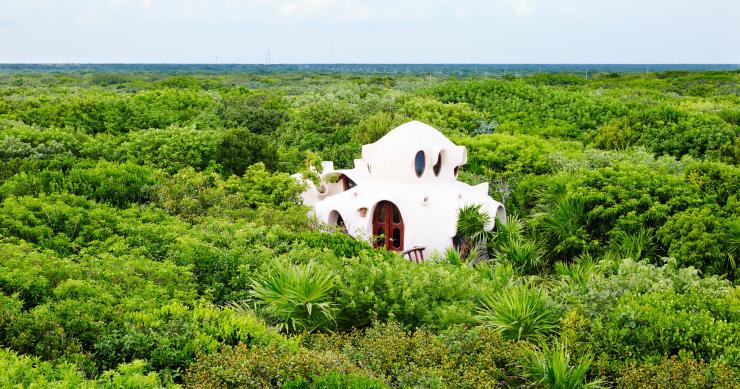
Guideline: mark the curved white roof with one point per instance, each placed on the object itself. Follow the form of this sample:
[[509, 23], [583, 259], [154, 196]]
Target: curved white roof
[[393, 155]]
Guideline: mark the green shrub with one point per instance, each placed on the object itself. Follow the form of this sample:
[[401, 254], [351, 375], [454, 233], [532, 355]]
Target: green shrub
[[262, 366], [511, 155], [105, 182], [375, 287], [295, 298], [675, 372], [552, 368], [635, 312], [458, 358], [325, 116], [335, 380], [613, 136], [171, 149], [519, 313], [102, 111], [24, 371], [240, 148], [169, 337], [698, 238], [637, 246], [260, 111], [189, 193]]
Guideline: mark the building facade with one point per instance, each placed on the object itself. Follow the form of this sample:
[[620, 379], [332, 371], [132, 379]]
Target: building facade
[[403, 193]]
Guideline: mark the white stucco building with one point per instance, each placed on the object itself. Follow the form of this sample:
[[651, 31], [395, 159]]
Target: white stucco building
[[404, 188]]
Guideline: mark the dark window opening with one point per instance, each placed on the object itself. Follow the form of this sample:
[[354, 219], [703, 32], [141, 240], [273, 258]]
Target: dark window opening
[[437, 166], [340, 223], [396, 215], [419, 163], [380, 237], [457, 169], [396, 239], [347, 182], [457, 241]]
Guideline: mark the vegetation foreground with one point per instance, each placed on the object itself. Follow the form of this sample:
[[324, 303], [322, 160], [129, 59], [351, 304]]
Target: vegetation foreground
[[151, 234]]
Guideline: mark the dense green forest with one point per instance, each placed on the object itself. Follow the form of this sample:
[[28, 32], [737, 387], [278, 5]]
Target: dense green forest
[[151, 234]]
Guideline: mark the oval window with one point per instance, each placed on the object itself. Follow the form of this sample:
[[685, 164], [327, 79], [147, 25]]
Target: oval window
[[437, 166], [419, 163], [457, 169]]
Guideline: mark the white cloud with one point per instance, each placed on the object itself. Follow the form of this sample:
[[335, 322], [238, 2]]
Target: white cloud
[[522, 8], [461, 12], [525, 8]]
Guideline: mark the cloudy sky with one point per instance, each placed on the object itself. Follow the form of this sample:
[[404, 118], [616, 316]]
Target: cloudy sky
[[383, 31]]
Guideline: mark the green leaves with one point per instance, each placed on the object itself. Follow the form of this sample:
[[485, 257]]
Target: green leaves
[[134, 206], [295, 298], [521, 312], [471, 226], [637, 246], [240, 148], [553, 368]]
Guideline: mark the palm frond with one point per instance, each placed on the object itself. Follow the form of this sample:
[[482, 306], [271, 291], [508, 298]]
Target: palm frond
[[524, 254], [295, 298], [521, 312], [471, 226], [553, 368], [637, 246]]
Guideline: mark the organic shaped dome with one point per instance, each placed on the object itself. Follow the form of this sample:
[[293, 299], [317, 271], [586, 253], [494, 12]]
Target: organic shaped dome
[[400, 147]]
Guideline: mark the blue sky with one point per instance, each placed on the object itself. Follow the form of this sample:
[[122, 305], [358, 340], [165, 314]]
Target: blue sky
[[400, 31]]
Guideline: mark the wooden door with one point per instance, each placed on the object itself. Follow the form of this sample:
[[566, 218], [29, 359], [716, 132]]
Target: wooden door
[[388, 226]]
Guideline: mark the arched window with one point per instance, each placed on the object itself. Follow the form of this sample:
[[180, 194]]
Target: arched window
[[457, 170], [437, 166], [419, 163]]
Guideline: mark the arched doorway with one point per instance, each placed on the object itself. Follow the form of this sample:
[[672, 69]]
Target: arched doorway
[[388, 226], [335, 218]]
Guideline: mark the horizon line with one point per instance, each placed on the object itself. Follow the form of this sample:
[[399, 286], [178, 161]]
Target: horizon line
[[375, 63]]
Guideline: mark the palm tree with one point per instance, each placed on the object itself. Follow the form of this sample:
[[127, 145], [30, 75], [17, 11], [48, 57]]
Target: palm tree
[[636, 246], [563, 226], [511, 228], [471, 227], [526, 255], [733, 239], [510, 246], [521, 312], [293, 297], [551, 368]]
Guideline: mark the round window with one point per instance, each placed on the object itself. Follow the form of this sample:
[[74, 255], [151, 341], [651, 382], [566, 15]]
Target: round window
[[419, 163]]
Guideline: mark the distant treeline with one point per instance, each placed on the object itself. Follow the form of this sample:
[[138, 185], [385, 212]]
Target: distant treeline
[[448, 69]]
